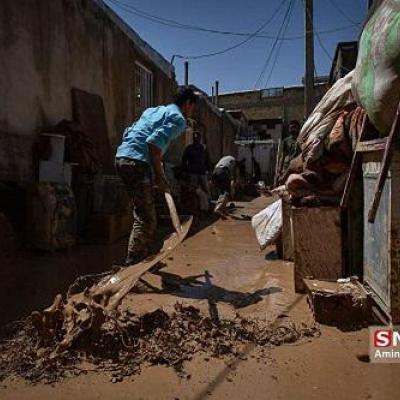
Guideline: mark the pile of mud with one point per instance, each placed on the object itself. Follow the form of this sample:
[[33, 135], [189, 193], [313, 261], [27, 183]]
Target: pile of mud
[[128, 342]]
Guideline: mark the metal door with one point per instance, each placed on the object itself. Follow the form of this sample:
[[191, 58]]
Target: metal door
[[376, 236]]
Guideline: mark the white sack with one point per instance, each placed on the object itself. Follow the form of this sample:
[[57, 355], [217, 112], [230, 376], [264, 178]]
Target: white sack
[[268, 224]]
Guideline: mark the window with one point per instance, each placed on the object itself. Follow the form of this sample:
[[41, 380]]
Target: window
[[273, 92], [144, 88]]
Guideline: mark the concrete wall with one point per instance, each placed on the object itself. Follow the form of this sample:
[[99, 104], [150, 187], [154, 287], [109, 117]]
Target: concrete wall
[[49, 47], [230, 134], [209, 120]]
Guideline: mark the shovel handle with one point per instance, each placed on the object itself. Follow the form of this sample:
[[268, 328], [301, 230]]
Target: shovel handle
[[173, 213]]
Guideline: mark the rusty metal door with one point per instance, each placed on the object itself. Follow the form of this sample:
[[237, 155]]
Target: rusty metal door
[[376, 235]]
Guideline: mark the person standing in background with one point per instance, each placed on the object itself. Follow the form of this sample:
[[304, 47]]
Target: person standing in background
[[195, 162], [289, 150]]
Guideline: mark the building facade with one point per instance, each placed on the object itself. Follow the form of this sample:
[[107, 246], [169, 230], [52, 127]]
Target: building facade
[[268, 110], [344, 60], [50, 47]]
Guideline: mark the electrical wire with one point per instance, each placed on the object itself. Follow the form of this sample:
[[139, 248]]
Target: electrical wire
[[280, 45], [235, 46], [271, 53], [278, 39], [175, 24], [340, 11], [321, 44]]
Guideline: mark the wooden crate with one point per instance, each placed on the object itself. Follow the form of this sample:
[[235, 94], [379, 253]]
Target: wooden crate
[[338, 304], [317, 240]]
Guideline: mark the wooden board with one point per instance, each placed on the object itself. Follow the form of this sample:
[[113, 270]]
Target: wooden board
[[131, 274], [287, 237], [173, 213], [88, 110], [318, 247], [387, 158], [371, 145]]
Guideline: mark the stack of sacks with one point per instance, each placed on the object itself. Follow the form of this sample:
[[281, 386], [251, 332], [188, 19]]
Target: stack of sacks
[[327, 141]]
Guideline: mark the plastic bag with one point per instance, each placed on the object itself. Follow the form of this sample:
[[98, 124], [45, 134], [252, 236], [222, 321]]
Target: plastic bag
[[268, 224]]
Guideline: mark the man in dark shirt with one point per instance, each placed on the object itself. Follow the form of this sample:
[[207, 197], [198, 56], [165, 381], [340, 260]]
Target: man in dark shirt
[[195, 162], [289, 150]]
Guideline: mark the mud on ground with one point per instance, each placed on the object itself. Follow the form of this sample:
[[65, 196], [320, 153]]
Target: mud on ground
[[128, 342]]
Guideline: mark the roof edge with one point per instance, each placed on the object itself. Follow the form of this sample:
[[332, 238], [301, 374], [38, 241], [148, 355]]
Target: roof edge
[[275, 87], [145, 48]]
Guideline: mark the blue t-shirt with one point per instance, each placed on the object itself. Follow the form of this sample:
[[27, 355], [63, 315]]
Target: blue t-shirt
[[157, 126]]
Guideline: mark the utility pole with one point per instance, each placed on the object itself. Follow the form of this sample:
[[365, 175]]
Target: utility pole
[[212, 94], [309, 48], [216, 93], [186, 73]]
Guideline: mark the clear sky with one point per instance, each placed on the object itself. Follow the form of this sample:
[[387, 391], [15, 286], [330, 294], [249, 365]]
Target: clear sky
[[240, 68]]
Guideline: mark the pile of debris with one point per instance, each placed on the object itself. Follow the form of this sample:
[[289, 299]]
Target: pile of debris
[[127, 342], [327, 141], [361, 106]]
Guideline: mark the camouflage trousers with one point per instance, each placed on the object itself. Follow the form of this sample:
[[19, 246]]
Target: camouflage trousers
[[136, 176]]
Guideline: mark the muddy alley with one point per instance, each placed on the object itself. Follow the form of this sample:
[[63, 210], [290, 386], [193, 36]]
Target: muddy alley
[[221, 273], [199, 200]]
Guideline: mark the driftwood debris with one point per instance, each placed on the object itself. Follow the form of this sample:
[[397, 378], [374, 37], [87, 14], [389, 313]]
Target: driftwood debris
[[89, 309]]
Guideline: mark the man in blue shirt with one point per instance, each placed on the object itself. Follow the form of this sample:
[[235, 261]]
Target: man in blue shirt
[[143, 145]]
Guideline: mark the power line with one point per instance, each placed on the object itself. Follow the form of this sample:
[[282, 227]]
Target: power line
[[340, 11], [269, 20], [322, 46], [280, 44], [265, 67], [177, 25]]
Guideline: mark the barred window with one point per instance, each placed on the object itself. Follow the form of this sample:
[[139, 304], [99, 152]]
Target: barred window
[[144, 88]]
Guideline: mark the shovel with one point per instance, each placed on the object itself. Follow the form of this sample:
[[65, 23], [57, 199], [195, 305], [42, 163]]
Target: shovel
[[174, 215]]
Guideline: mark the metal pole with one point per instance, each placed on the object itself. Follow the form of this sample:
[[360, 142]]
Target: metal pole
[[216, 93], [186, 73], [212, 95], [309, 57]]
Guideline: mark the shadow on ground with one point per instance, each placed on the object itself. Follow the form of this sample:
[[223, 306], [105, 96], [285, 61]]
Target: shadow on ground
[[31, 279], [200, 287]]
